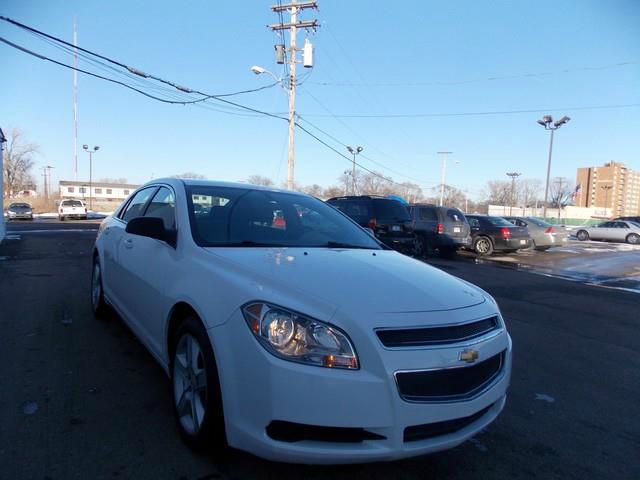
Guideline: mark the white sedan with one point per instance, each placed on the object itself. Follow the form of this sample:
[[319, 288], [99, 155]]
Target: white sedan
[[614, 231], [290, 332]]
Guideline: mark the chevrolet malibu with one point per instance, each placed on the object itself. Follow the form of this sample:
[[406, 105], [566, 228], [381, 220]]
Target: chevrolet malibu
[[288, 331]]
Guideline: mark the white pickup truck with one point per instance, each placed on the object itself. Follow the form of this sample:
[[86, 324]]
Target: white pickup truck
[[72, 209]]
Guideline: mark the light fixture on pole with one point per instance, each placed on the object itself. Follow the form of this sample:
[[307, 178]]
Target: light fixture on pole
[[548, 124], [354, 151], [90, 152], [513, 176]]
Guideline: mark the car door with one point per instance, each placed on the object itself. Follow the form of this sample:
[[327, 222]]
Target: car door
[[113, 237], [147, 266], [620, 231], [428, 218], [602, 231]]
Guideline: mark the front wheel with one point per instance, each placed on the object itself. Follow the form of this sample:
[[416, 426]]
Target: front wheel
[[582, 235], [633, 238], [98, 305], [197, 399], [483, 246]]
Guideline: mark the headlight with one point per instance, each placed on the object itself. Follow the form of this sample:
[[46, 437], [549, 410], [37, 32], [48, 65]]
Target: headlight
[[296, 338]]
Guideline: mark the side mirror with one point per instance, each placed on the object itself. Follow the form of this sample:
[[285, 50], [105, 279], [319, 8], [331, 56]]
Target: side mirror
[[151, 227]]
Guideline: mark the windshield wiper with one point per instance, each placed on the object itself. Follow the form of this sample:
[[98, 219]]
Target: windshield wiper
[[331, 244], [250, 243]]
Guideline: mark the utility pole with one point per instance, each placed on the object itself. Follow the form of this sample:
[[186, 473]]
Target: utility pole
[[513, 176], [44, 182], [75, 100], [559, 182], [444, 174], [90, 152], [48, 167], [294, 8], [354, 151], [606, 189]]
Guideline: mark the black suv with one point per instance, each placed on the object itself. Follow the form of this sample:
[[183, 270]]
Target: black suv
[[388, 219], [443, 228], [629, 219]]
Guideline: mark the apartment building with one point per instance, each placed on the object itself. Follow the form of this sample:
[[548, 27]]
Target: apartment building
[[614, 188], [98, 191]]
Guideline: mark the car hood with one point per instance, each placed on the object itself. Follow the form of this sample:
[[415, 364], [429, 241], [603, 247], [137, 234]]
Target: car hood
[[375, 281]]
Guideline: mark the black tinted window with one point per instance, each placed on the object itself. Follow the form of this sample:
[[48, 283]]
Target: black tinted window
[[390, 210], [474, 222], [247, 218], [359, 210], [134, 208], [428, 214], [163, 205], [499, 222]]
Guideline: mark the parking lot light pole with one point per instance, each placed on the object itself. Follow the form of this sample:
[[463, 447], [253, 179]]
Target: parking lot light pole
[[548, 124], [90, 152], [445, 155], [354, 151]]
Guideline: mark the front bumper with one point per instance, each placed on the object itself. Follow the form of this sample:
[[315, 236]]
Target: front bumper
[[259, 389], [20, 216]]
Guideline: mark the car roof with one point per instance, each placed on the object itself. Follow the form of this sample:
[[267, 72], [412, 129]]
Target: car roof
[[363, 197], [177, 182]]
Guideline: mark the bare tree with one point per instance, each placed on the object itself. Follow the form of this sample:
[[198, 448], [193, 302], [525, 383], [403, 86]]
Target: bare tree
[[18, 162], [120, 180], [561, 190], [452, 197], [191, 175], [332, 191], [528, 191], [498, 192], [314, 190], [260, 180]]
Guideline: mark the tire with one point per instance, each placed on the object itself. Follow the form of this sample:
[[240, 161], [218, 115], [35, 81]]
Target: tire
[[542, 249], [420, 247], [447, 252], [196, 388], [633, 238], [582, 235], [61, 218], [98, 305], [483, 246]]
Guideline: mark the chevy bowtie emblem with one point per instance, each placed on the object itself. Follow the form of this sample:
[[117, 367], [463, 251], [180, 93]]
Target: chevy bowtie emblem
[[468, 355]]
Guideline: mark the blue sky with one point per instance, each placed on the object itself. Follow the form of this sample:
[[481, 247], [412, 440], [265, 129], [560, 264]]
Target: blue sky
[[372, 58]]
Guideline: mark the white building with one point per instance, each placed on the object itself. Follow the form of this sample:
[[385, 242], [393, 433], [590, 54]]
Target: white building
[[99, 192]]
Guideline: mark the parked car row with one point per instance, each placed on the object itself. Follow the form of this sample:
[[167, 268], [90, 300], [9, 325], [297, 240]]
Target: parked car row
[[421, 229]]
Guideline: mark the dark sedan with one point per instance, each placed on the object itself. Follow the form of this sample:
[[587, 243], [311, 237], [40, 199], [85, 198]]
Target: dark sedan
[[19, 211], [489, 234]]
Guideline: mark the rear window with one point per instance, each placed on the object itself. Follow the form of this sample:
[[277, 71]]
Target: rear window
[[390, 210], [540, 223], [427, 213], [71, 203], [455, 215], [499, 222], [359, 210]]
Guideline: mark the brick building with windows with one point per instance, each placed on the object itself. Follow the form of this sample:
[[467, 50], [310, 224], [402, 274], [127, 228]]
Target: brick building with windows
[[100, 192], [614, 188]]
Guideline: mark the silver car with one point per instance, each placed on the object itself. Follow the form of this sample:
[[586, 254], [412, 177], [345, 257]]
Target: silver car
[[543, 234], [614, 231]]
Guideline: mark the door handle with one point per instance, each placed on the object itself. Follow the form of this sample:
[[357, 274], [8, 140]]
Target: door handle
[[128, 243]]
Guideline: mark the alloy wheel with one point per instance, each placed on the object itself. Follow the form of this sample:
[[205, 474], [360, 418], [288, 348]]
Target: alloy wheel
[[96, 286], [190, 384]]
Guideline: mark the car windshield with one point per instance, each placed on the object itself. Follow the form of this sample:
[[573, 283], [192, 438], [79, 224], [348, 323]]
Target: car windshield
[[390, 210], [238, 217], [19, 205], [72, 203], [499, 222]]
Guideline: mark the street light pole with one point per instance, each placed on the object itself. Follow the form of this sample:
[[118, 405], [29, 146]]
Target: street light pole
[[444, 174], [513, 176], [548, 124], [90, 152], [354, 151]]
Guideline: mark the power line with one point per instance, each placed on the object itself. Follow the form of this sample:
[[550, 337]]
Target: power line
[[472, 114], [464, 82]]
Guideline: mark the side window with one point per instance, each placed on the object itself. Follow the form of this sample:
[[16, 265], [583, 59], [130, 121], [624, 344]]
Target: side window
[[455, 215], [621, 225], [473, 222], [520, 223], [428, 214], [163, 205], [137, 203], [606, 225]]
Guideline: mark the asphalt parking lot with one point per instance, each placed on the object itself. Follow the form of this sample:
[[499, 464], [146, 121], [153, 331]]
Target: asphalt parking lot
[[81, 398]]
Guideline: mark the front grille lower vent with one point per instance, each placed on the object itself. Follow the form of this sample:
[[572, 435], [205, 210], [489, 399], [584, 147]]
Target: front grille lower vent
[[431, 430], [449, 384], [424, 336]]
